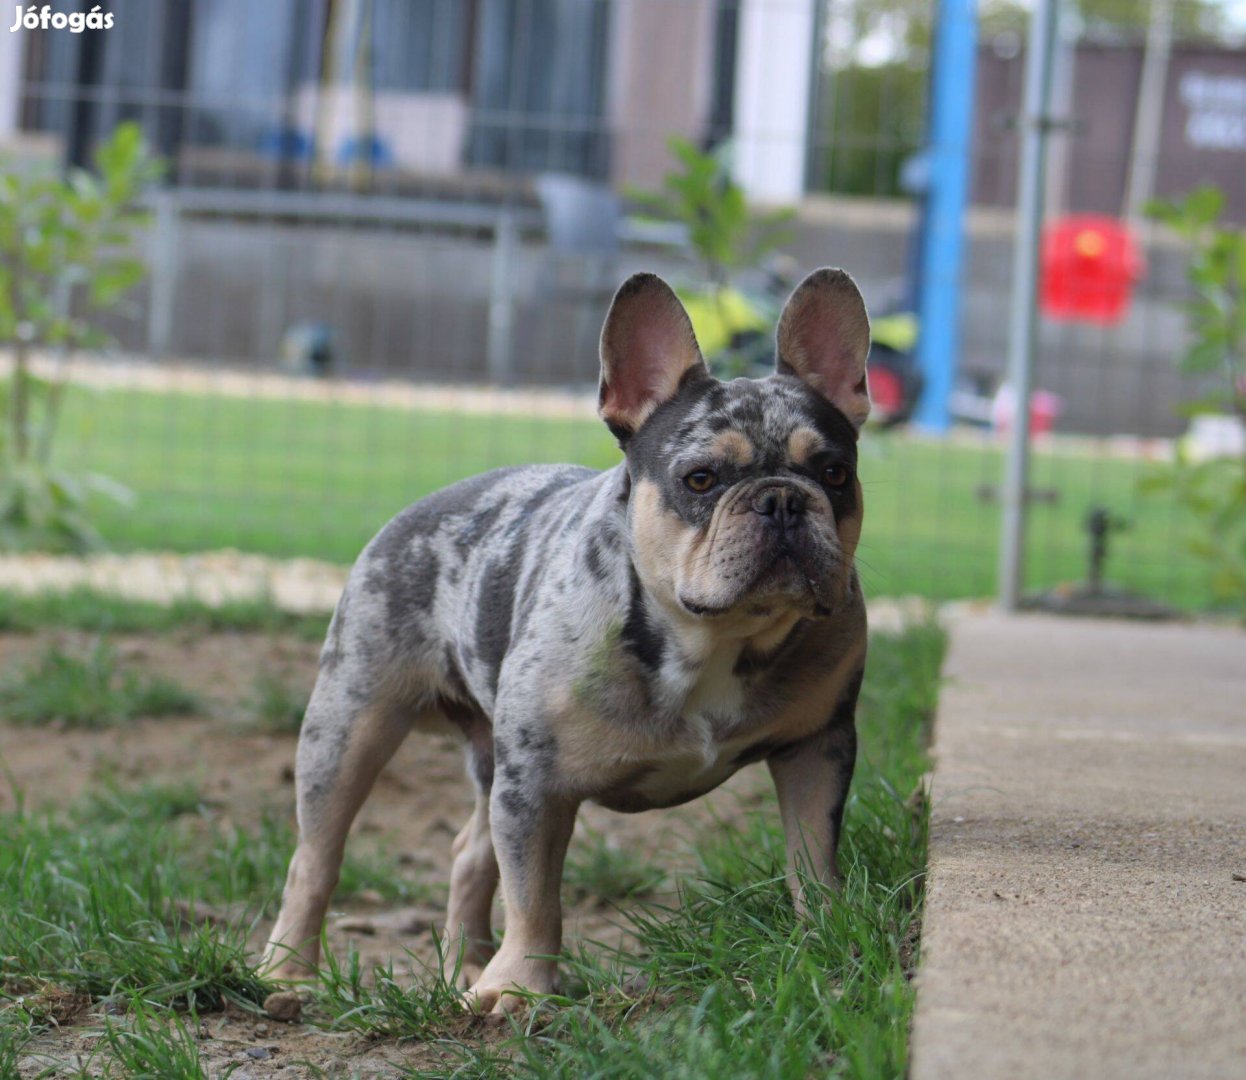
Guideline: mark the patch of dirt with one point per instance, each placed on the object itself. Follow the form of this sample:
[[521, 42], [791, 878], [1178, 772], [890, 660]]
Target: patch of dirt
[[419, 803]]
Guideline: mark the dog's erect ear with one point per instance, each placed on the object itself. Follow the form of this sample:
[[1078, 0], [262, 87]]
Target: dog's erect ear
[[824, 337], [647, 349]]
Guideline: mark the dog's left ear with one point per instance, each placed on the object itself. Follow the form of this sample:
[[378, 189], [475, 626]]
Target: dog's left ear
[[824, 338], [648, 348]]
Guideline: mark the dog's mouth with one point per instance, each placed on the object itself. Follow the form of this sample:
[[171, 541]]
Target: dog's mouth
[[787, 572], [694, 607], [789, 579]]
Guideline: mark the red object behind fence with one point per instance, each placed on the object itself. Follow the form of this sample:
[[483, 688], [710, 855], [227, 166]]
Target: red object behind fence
[[1090, 264]]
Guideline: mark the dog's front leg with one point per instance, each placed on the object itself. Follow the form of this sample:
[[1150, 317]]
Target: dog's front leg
[[811, 780], [531, 830]]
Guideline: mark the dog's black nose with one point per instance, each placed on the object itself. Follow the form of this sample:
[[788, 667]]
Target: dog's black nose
[[782, 506]]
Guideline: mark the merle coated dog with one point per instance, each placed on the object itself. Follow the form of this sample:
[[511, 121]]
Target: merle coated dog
[[631, 637]]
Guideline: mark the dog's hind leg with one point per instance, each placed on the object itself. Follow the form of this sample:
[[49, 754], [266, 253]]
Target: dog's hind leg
[[468, 943], [342, 748]]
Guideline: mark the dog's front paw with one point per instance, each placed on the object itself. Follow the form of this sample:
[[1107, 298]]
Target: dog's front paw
[[506, 982]]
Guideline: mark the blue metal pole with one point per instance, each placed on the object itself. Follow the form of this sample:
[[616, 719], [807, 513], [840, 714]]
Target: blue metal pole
[[950, 141]]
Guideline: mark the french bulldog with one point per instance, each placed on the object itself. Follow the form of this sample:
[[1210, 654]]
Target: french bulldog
[[631, 637]]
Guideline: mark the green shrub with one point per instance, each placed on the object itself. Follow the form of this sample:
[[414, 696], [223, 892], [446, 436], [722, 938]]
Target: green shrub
[[60, 238], [1213, 491]]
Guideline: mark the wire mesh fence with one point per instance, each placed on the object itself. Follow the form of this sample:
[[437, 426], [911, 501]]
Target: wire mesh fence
[[388, 232]]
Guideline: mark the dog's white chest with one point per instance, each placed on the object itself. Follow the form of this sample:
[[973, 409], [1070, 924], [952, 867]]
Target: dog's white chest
[[711, 704], [716, 692]]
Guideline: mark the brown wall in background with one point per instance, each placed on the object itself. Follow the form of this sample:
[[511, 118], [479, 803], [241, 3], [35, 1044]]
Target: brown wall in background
[[661, 59], [1202, 136]]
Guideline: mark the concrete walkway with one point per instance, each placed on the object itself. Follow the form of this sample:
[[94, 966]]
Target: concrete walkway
[[1086, 912]]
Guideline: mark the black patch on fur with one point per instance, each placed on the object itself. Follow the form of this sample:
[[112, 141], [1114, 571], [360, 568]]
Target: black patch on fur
[[624, 800], [456, 685], [845, 713], [749, 663], [639, 636], [482, 769], [767, 749], [476, 526], [425, 517], [839, 745], [516, 804], [540, 541], [403, 568], [843, 753], [592, 558], [412, 590], [746, 413], [540, 748], [495, 606], [324, 780], [562, 479], [647, 455]]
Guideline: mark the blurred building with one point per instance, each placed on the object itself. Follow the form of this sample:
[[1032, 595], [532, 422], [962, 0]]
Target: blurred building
[[252, 94], [281, 119]]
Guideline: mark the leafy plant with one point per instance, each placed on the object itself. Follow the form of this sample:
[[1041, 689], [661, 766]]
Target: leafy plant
[[60, 238], [1214, 490], [703, 197], [727, 238]]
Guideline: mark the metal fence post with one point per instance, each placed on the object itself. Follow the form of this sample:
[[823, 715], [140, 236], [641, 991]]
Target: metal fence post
[[502, 297], [163, 264], [1034, 128], [1149, 113]]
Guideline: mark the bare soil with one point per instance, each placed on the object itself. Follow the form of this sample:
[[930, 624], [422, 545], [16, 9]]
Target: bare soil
[[419, 803]]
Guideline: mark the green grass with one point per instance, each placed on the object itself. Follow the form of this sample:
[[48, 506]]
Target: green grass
[[148, 1045], [601, 870], [88, 691], [75, 922], [14, 1034], [293, 478], [724, 982], [148, 891], [95, 612], [382, 1005], [276, 705]]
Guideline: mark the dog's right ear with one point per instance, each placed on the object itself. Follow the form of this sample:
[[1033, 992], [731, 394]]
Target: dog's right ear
[[648, 348]]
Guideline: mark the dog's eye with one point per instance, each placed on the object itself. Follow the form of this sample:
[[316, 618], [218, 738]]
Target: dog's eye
[[701, 481], [835, 476]]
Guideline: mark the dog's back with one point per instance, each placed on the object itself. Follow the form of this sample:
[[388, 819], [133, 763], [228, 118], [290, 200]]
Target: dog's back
[[434, 600]]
